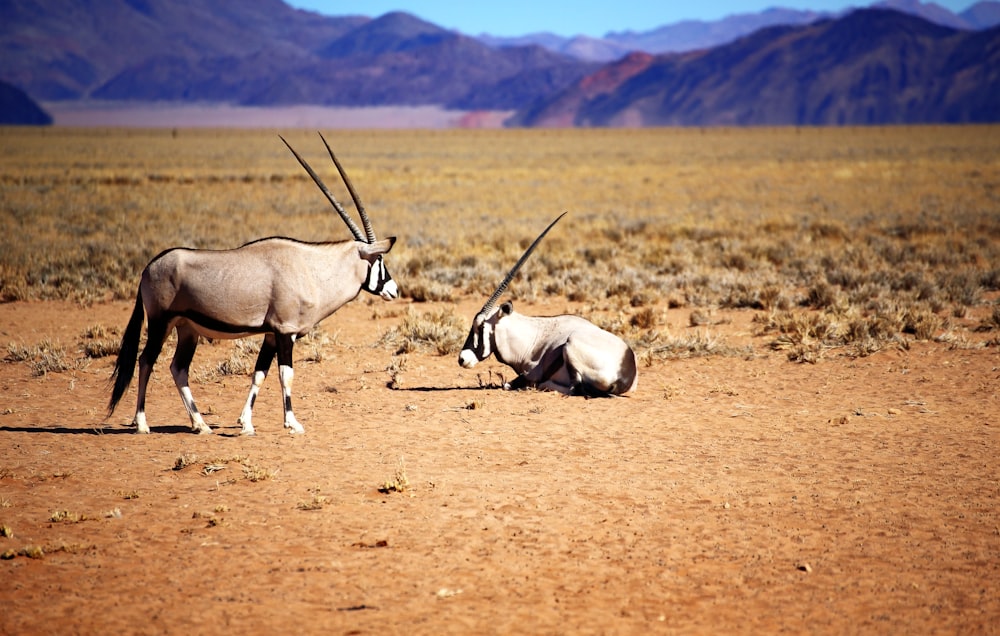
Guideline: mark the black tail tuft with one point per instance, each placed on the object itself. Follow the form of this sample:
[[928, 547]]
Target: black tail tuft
[[127, 354]]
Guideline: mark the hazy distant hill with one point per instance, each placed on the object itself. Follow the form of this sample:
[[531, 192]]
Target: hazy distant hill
[[691, 35], [65, 49], [262, 52], [871, 67], [17, 109]]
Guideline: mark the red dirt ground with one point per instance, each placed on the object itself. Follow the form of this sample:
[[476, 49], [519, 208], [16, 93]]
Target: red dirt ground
[[726, 496]]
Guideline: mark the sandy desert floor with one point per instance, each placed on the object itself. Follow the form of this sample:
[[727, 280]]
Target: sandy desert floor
[[727, 495]]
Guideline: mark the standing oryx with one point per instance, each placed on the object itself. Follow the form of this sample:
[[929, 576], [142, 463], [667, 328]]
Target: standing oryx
[[277, 286], [564, 353]]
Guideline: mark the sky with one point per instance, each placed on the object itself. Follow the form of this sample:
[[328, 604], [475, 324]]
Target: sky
[[581, 17]]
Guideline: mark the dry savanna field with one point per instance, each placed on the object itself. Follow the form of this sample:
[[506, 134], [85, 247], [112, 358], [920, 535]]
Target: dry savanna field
[[812, 446]]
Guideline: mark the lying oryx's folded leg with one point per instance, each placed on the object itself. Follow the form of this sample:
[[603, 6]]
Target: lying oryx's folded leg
[[553, 373], [267, 350], [187, 342], [285, 342]]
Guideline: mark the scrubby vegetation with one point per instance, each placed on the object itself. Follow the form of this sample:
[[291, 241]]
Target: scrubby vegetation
[[854, 239]]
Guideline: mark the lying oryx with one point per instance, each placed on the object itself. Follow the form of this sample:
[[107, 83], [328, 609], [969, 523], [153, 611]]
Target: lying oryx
[[277, 286], [559, 353]]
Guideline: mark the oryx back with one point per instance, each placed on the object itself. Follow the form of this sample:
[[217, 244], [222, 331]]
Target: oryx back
[[275, 284]]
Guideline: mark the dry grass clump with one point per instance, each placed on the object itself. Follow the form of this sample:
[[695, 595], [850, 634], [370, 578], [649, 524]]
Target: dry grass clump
[[251, 471], [692, 344], [399, 482], [98, 341], [39, 552], [440, 331], [241, 358], [316, 502], [43, 358], [65, 516]]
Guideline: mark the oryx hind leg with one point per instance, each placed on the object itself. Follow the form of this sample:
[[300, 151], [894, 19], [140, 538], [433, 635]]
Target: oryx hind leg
[[268, 348], [187, 342], [156, 333], [286, 375]]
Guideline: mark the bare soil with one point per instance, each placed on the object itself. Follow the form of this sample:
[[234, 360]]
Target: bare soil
[[727, 495]]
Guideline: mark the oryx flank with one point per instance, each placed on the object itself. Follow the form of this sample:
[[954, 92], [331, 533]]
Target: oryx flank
[[277, 286], [565, 353]]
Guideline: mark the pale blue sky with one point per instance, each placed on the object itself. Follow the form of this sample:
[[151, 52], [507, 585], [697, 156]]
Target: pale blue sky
[[581, 17]]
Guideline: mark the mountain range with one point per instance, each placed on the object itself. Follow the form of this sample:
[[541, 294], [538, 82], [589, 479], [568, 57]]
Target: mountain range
[[864, 67], [872, 66], [690, 35]]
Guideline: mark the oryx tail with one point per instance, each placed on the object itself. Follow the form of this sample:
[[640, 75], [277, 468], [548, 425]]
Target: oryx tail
[[127, 353]]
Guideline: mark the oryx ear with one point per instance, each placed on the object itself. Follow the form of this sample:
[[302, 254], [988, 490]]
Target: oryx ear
[[507, 308], [378, 247]]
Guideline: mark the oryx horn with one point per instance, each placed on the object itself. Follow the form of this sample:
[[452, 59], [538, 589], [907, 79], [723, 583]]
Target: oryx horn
[[513, 270], [369, 232], [351, 225]]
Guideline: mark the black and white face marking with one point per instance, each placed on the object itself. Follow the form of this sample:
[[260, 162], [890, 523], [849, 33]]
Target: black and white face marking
[[479, 345], [379, 281]]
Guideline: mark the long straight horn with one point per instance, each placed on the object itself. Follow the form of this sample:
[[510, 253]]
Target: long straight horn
[[329, 195], [369, 232], [513, 270]]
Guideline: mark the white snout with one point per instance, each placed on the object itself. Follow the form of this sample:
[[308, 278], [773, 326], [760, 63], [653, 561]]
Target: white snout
[[389, 290], [467, 359]]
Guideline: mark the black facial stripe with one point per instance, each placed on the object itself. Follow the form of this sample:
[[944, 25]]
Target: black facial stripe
[[378, 276]]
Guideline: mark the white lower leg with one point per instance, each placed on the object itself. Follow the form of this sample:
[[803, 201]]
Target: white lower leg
[[197, 422], [286, 374], [140, 403], [246, 416], [140, 422]]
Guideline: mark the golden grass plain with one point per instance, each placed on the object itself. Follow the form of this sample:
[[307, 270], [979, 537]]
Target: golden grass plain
[[841, 237]]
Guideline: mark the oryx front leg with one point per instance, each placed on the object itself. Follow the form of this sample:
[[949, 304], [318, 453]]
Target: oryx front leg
[[264, 359], [187, 342], [286, 375]]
